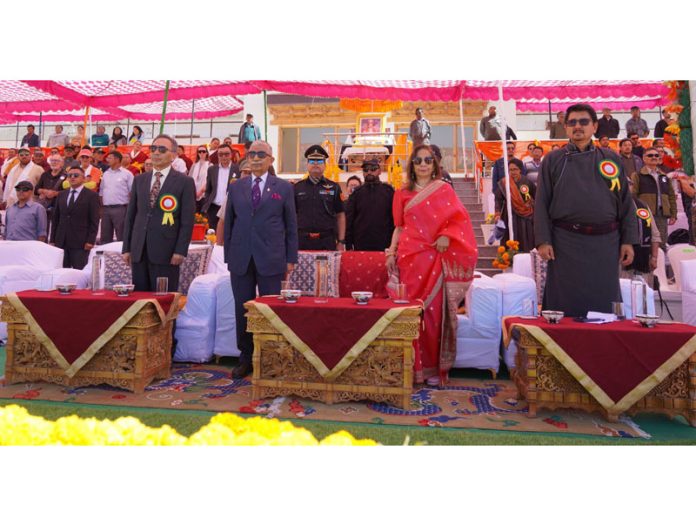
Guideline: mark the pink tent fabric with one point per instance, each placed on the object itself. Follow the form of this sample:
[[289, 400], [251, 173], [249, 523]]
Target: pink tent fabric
[[66, 100], [616, 104]]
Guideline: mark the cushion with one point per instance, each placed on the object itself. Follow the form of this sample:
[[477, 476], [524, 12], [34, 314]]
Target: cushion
[[363, 271], [195, 264], [303, 277]]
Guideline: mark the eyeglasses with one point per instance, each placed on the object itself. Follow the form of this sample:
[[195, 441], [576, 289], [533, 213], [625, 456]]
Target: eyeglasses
[[315, 161], [260, 154], [74, 175], [246, 172], [652, 155], [575, 121], [161, 149], [428, 160]]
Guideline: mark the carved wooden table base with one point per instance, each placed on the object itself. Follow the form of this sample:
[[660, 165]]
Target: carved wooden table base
[[137, 355], [545, 383], [383, 372]]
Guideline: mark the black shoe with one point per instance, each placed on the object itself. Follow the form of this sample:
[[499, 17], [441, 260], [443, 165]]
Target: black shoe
[[243, 369]]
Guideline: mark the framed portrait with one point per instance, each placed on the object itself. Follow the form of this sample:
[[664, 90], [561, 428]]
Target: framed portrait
[[370, 127]]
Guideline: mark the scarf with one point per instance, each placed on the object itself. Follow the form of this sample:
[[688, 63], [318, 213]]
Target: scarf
[[521, 207]]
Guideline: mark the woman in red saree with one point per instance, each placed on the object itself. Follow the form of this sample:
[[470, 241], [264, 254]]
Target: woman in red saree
[[434, 251]]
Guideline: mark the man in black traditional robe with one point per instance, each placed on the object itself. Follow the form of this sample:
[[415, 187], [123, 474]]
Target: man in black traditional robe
[[584, 220]]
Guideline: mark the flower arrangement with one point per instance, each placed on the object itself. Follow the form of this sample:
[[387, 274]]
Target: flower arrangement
[[19, 428], [503, 259], [490, 218], [199, 218]]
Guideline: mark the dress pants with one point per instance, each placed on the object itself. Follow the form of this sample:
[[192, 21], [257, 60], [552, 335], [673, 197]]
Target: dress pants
[[75, 258], [145, 274], [212, 216], [244, 289], [113, 219]]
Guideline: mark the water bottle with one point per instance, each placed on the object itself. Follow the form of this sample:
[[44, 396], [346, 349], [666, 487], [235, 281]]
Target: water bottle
[[97, 274], [639, 294], [321, 279]]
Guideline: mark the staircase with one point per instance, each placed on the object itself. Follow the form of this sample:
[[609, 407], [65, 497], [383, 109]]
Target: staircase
[[466, 191]]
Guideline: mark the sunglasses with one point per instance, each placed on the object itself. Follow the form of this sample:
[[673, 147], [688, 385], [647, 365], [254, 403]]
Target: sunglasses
[[161, 149], [74, 175], [315, 161], [370, 170], [260, 154], [246, 172], [428, 160], [575, 121], [652, 155], [21, 189], [202, 151]]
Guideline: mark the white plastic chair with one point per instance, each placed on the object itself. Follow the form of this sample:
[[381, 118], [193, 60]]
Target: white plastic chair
[[661, 273], [676, 254]]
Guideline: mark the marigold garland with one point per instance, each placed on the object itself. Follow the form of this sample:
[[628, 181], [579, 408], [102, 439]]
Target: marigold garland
[[505, 254], [19, 428]]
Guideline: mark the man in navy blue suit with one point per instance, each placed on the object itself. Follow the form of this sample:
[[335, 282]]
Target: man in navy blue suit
[[260, 240]]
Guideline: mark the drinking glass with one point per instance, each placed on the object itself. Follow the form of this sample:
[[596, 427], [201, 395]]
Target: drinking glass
[[162, 286], [401, 294], [617, 308]]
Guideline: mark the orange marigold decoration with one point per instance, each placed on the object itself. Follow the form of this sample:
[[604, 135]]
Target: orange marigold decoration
[[506, 253], [360, 105]]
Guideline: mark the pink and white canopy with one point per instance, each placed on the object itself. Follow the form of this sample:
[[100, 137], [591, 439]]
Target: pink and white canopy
[[23, 100]]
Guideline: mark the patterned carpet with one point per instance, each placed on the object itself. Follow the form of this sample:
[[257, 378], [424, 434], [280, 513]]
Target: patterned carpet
[[463, 403]]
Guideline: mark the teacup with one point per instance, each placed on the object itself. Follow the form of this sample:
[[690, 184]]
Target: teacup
[[552, 316], [361, 297], [123, 290], [647, 321], [290, 296], [65, 289]]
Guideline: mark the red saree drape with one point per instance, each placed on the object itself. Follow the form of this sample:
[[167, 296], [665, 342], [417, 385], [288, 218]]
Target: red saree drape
[[440, 280]]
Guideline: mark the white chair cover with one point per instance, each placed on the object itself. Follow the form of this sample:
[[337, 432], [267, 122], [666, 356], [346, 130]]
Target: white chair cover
[[195, 325], [225, 319], [676, 254], [688, 278]]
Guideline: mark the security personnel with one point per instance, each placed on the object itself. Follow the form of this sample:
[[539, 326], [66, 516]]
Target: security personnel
[[321, 221], [369, 219]]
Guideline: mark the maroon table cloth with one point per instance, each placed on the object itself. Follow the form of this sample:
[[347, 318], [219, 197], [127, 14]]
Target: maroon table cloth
[[80, 322], [618, 363], [330, 330]]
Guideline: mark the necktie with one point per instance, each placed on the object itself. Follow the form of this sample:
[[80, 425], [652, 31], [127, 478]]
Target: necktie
[[72, 198], [154, 192], [256, 193]]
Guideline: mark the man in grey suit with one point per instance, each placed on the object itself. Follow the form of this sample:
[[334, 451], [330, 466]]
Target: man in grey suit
[[219, 178], [260, 240], [159, 220]]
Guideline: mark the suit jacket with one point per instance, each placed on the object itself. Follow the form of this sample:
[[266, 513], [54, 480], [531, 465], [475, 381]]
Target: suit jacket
[[269, 235], [76, 225], [144, 225], [211, 184]]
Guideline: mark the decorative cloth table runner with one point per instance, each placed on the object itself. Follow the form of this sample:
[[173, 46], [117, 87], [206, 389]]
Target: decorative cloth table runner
[[74, 327], [617, 363], [330, 335]]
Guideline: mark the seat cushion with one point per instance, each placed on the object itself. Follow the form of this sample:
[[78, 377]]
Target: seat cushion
[[363, 271]]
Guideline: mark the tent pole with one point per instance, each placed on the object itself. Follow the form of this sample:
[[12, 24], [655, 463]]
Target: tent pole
[[90, 125], [40, 125], [83, 138], [461, 129], [550, 116], [193, 111], [503, 139], [164, 106], [127, 128], [265, 115]]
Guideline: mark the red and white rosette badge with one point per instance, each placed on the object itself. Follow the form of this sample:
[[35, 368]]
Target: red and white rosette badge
[[610, 171], [168, 204], [524, 190], [644, 214]]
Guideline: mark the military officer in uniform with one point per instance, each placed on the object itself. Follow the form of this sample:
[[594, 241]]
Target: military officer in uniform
[[321, 220]]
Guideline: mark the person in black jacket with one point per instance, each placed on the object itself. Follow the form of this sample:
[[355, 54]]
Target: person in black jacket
[[369, 219], [607, 125], [75, 220], [159, 220]]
